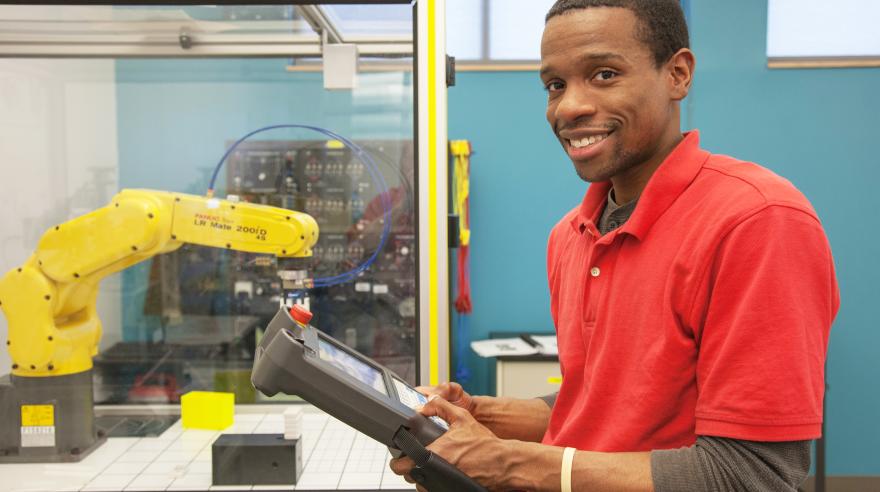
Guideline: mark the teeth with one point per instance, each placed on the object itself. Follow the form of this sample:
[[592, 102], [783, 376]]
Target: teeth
[[588, 141]]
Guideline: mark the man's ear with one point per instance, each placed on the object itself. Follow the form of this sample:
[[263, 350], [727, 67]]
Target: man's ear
[[681, 73]]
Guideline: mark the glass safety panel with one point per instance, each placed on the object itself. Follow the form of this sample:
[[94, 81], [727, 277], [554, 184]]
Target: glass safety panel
[[95, 99]]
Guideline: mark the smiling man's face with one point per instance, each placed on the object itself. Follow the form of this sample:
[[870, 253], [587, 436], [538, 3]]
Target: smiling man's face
[[613, 110]]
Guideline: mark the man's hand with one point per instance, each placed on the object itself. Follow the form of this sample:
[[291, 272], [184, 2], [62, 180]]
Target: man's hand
[[467, 445], [505, 464], [451, 392], [507, 418]]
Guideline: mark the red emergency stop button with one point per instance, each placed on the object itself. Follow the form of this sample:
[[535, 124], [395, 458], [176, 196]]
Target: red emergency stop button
[[300, 314]]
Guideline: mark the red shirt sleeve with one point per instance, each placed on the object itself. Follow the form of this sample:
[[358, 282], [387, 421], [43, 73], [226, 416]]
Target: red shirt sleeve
[[762, 316]]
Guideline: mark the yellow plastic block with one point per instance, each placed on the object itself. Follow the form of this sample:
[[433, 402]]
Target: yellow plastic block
[[207, 410]]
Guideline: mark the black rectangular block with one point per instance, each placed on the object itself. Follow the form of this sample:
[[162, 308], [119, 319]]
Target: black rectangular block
[[255, 459]]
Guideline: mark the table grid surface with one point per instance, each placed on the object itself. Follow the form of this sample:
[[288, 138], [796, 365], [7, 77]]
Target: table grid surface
[[335, 457]]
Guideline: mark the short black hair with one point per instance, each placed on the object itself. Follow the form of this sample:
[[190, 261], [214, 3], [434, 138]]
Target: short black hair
[[663, 27]]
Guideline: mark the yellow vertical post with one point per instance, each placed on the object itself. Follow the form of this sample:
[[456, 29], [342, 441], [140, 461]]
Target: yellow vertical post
[[433, 329], [434, 302]]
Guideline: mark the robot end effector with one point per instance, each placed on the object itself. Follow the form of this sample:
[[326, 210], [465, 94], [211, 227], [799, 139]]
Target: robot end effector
[[294, 274]]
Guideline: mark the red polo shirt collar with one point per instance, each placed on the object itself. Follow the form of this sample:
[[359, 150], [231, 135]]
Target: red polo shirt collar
[[671, 178]]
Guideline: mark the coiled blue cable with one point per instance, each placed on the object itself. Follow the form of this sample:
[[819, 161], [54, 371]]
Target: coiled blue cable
[[376, 176]]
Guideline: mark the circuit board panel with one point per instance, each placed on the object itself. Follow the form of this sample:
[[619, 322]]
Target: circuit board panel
[[374, 313]]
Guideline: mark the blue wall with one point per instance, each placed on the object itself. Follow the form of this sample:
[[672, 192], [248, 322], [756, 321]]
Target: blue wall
[[176, 116], [521, 185], [814, 127]]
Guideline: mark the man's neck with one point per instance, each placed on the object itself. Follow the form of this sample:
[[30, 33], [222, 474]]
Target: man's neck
[[629, 185], [627, 188]]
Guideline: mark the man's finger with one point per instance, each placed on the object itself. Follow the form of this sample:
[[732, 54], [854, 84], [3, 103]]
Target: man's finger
[[428, 390], [402, 465], [439, 407], [442, 389]]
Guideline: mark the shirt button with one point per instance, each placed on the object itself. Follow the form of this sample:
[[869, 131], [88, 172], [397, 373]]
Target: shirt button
[[594, 271]]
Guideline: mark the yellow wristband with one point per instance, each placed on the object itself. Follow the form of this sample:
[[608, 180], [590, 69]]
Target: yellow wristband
[[567, 460]]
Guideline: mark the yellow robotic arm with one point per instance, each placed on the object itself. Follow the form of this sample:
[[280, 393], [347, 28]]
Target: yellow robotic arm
[[49, 301]]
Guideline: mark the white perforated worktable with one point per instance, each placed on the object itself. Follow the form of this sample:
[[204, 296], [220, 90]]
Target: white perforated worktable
[[335, 457]]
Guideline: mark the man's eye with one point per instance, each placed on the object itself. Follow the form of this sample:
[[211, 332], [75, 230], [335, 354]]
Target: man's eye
[[605, 75], [554, 86]]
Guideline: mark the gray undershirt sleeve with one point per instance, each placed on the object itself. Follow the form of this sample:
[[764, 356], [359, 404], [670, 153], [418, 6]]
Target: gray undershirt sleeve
[[720, 464], [550, 400]]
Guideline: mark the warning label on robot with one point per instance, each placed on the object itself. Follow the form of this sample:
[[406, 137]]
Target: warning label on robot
[[37, 426], [37, 415], [37, 436]]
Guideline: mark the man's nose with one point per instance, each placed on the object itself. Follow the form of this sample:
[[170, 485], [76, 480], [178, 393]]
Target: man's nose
[[575, 103]]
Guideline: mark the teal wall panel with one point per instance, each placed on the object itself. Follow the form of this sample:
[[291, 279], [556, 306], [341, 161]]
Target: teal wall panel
[[176, 116], [522, 183]]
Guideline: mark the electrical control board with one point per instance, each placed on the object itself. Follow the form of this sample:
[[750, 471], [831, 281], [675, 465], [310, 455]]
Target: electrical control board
[[374, 313]]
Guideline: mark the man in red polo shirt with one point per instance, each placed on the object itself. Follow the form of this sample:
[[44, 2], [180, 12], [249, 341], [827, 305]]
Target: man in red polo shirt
[[692, 293]]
